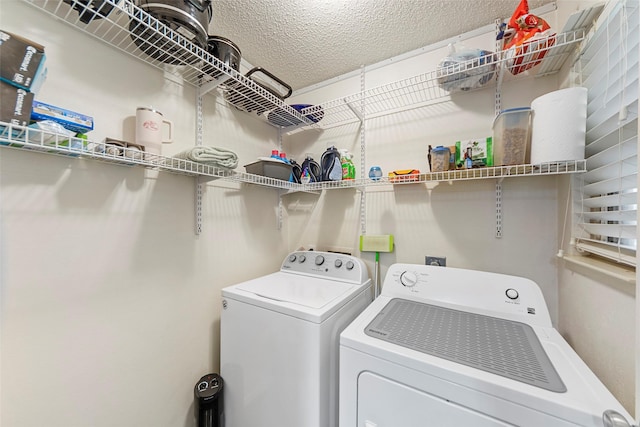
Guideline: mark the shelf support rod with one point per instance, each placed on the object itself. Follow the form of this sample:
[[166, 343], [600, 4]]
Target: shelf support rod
[[499, 71], [280, 204], [497, 107], [363, 194], [199, 186], [499, 208]]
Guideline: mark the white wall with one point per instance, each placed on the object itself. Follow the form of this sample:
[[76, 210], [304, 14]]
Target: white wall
[[109, 302]]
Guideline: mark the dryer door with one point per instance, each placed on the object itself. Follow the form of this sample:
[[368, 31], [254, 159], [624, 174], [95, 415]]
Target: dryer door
[[386, 403]]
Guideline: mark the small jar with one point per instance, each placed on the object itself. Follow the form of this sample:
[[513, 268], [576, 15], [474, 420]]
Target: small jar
[[440, 157], [375, 173]]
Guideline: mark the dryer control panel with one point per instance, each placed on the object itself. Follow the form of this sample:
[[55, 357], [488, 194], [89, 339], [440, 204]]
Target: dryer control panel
[[327, 265], [493, 294]]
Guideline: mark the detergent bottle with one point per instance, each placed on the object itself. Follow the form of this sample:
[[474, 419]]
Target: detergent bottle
[[330, 165], [296, 172], [283, 157], [348, 168], [310, 170]]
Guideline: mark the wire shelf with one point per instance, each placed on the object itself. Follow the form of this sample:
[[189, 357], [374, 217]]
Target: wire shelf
[[547, 55], [130, 29], [499, 172], [36, 140]]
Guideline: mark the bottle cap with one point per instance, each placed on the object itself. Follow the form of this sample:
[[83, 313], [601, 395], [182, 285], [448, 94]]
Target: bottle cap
[[274, 153]]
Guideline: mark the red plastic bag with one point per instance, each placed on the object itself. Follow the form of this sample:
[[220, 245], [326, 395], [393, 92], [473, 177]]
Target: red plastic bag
[[528, 39]]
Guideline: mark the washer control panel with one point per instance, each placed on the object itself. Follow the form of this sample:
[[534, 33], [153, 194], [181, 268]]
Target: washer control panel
[[484, 292], [326, 265]]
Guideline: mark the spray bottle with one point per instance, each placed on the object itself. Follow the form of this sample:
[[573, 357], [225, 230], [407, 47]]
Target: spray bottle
[[348, 168]]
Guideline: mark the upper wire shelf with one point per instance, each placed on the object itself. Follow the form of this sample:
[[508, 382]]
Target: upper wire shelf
[[543, 57], [431, 87], [125, 26], [128, 28], [36, 140]]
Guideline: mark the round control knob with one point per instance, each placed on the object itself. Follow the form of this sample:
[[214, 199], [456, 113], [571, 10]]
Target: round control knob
[[292, 258], [350, 265], [408, 279], [319, 260], [302, 258], [202, 386], [338, 263], [512, 293]]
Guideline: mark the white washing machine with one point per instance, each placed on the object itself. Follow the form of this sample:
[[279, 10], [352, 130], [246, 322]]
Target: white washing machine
[[452, 347], [280, 340]]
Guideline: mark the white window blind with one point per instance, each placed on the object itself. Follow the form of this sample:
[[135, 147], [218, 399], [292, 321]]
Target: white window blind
[[607, 209]]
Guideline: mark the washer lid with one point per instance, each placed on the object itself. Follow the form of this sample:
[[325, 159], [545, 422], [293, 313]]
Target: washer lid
[[304, 291], [305, 297]]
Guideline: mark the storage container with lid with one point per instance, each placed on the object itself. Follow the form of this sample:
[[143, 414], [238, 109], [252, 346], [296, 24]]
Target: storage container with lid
[[440, 157], [512, 137]]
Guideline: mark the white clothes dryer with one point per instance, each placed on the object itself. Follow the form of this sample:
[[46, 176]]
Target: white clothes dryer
[[451, 347], [280, 340]]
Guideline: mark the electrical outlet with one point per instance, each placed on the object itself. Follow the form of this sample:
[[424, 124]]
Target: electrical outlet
[[435, 260]]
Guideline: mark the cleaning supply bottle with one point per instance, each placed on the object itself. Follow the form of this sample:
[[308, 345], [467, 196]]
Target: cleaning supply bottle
[[275, 155], [330, 165], [296, 172], [310, 170], [348, 168], [283, 157]]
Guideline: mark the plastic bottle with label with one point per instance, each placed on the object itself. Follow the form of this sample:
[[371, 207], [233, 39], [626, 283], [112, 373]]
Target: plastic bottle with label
[[310, 170], [330, 165], [348, 168]]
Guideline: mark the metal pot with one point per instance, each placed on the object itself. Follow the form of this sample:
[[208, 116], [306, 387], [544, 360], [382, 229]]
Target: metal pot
[[226, 51], [89, 10], [247, 99], [189, 18]]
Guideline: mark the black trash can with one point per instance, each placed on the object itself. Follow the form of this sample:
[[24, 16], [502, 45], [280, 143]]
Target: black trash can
[[209, 403]]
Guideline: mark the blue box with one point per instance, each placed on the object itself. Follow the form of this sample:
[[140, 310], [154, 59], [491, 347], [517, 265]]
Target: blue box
[[71, 120]]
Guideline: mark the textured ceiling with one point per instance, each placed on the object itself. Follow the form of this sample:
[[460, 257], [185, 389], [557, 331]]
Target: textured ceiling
[[309, 41]]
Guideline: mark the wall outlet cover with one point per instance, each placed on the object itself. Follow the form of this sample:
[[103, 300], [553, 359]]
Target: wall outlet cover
[[435, 260]]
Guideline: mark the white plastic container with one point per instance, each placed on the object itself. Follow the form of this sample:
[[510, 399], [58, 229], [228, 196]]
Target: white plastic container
[[512, 137]]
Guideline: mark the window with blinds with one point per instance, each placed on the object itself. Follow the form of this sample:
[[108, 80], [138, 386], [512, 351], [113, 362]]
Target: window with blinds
[[607, 205]]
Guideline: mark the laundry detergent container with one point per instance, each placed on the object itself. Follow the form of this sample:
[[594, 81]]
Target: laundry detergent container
[[512, 137]]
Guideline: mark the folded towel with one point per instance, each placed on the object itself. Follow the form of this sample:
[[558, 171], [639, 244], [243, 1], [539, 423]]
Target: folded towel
[[212, 156]]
